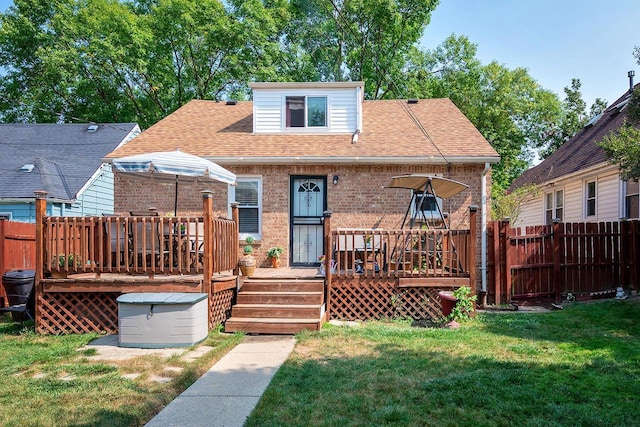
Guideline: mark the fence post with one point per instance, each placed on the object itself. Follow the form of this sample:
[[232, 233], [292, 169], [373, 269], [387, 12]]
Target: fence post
[[235, 216], [207, 208], [625, 246], [473, 234], [326, 218], [557, 254], [3, 246], [41, 211], [506, 245]]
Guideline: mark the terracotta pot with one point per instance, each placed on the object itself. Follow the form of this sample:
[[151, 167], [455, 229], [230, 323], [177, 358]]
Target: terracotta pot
[[275, 262], [448, 302], [58, 274]]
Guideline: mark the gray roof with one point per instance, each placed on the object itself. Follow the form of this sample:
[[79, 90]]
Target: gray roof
[[64, 156], [582, 150]]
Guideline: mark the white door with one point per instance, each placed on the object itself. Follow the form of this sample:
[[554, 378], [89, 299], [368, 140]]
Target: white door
[[308, 196]]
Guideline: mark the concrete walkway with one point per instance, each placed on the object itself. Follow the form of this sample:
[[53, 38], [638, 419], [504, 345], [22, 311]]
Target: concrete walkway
[[227, 393]]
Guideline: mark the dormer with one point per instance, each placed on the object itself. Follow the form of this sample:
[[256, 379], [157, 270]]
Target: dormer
[[307, 108]]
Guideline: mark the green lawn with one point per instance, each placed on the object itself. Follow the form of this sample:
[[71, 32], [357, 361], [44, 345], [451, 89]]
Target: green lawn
[[45, 381], [575, 367]]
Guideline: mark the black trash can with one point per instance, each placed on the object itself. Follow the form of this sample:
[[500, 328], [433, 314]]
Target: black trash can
[[20, 282]]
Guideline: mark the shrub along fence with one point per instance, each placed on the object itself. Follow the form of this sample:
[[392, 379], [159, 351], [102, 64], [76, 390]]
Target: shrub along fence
[[548, 262]]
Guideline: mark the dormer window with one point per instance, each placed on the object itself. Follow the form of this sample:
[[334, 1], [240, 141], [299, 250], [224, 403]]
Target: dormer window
[[306, 111]]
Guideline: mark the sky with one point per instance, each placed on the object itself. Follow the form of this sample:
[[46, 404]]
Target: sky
[[555, 40]]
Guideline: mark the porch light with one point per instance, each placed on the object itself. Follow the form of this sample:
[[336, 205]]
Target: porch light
[[335, 179]]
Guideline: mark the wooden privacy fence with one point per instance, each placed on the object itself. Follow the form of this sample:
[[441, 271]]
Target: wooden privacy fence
[[17, 247], [550, 261]]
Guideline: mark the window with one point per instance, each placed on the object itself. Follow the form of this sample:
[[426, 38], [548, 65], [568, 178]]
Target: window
[[590, 193], [427, 206], [553, 206], [6, 215], [248, 193], [309, 111], [631, 205]]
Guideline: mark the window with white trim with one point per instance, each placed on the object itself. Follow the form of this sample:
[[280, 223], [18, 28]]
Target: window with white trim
[[427, 207], [553, 206], [6, 215], [248, 193], [590, 190], [305, 111], [631, 199]]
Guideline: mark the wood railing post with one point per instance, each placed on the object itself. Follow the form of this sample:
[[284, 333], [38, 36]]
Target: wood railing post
[[473, 235], [207, 209], [235, 216], [557, 254], [326, 217], [3, 246], [41, 211]]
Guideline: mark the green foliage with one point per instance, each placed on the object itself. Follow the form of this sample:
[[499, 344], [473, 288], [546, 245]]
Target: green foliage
[[69, 260], [248, 249], [623, 148], [275, 252], [249, 239], [465, 304], [509, 204]]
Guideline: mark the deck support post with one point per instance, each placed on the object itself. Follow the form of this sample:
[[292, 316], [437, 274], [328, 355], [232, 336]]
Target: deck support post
[[557, 287], [41, 211], [207, 208], [473, 237], [328, 256]]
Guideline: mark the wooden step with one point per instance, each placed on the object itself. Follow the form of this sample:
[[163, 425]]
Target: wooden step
[[253, 285], [270, 325], [249, 297], [277, 311]]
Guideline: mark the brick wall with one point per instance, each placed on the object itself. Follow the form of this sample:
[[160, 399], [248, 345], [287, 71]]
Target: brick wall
[[359, 200]]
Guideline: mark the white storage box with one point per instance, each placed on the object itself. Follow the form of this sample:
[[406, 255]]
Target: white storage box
[[158, 320]]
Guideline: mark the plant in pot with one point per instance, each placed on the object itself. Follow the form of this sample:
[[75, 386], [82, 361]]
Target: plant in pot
[[274, 253], [247, 263], [458, 305], [63, 261]]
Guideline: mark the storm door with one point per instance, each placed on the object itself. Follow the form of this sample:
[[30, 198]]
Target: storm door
[[308, 202]]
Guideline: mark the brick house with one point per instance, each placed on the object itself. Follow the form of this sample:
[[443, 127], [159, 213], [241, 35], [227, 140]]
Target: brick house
[[299, 149]]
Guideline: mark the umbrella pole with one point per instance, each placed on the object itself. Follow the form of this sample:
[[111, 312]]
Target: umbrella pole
[[175, 202]]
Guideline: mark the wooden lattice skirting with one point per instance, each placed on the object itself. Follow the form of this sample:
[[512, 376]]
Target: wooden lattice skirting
[[383, 299], [84, 312]]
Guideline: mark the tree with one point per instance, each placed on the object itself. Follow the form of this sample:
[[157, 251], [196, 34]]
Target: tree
[[507, 106], [103, 60], [573, 118], [359, 39], [622, 147]]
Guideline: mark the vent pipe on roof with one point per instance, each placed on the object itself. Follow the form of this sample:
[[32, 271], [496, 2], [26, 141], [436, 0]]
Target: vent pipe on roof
[[232, 102], [630, 74], [412, 101], [92, 128]]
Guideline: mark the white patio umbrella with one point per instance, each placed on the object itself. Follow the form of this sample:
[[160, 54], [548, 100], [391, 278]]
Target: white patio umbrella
[[173, 164]]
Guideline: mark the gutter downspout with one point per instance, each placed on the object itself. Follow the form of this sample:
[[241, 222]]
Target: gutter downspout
[[483, 235]]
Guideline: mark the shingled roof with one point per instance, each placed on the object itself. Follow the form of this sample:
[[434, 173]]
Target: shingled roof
[[64, 156], [580, 152], [393, 132]]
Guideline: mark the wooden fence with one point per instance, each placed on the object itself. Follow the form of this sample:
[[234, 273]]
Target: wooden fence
[[548, 262], [17, 247]]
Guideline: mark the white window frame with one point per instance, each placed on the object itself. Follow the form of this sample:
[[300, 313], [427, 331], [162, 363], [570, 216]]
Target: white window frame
[[625, 195], [6, 215], [554, 205], [306, 127], [232, 198], [587, 198]]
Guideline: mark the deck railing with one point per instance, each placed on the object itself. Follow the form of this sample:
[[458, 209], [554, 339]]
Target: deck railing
[[136, 244], [401, 253]]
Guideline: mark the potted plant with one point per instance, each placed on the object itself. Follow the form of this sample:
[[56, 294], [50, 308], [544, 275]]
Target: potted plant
[[457, 305], [247, 263], [63, 261], [274, 253]]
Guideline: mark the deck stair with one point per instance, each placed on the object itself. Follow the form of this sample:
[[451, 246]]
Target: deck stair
[[278, 306]]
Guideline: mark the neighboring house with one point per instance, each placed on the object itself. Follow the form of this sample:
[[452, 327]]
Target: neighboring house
[[63, 159], [300, 149], [577, 183]]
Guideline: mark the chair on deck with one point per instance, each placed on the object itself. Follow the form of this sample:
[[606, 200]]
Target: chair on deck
[[146, 240], [116, 233], [18, 304]]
